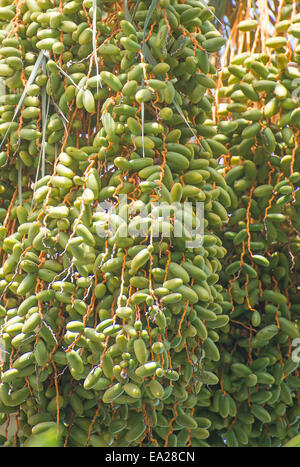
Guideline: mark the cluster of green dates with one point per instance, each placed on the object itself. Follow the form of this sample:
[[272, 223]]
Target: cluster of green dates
[[115, 328], [257, 401], [110, 336]]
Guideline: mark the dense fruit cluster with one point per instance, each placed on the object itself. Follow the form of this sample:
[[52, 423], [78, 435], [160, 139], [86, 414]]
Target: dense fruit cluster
[[257, 403], [134, 310], [103, 334]]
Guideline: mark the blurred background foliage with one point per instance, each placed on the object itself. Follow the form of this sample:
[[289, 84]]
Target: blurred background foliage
[[293, 443]]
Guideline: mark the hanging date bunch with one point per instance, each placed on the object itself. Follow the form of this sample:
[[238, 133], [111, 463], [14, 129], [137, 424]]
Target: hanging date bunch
[[110, 296], [257, 402]]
